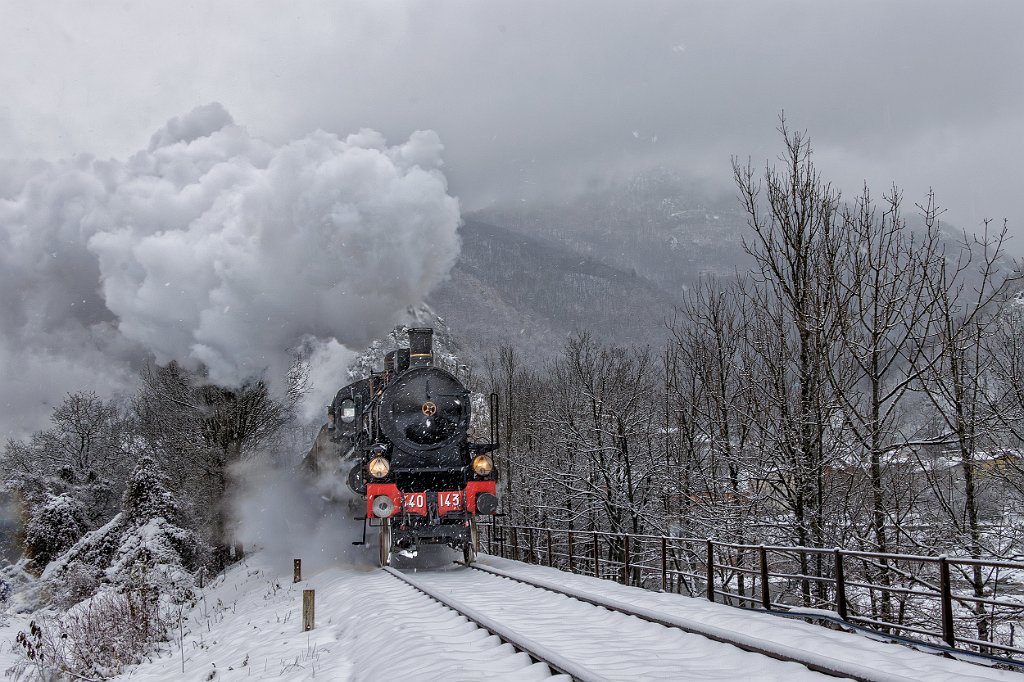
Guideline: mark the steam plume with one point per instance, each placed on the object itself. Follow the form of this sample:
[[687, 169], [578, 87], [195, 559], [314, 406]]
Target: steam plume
[[213, 246]]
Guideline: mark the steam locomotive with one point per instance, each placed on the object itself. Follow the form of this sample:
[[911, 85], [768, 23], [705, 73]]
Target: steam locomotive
[[405, 432]]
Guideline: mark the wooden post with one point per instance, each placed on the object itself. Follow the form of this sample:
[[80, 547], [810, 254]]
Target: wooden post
[[947, 602], [307, 610], [549, 548], [297, 570], [529, 536], [515, 543], [597, 563], [840, 585], [572, 568], [766, 595], [711, 571]]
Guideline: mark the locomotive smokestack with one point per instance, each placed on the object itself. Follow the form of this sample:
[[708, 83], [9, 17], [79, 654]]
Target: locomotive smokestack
[[421, 346]]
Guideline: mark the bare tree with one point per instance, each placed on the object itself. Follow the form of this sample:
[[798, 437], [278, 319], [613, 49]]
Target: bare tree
[[796, 244], [200, 430], [955, 376], [87, 452], [886, 308], [712, 342]]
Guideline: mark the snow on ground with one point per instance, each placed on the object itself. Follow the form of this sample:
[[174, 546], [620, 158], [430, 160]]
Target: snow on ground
[[370, 626], [9, 629]]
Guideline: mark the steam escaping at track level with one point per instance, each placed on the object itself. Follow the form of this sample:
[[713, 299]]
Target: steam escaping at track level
[[287, 517], [213, 246]]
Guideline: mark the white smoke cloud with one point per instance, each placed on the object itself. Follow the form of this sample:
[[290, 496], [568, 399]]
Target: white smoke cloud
[[287, 517], [328, 371], [215, 247]]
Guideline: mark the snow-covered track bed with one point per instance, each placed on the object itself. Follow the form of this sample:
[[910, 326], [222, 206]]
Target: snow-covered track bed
[[831, 652], [536, 650], [820, 664], [589, 641]]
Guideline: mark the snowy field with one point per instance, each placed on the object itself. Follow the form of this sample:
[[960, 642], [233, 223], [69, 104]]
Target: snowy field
[[370, 626]]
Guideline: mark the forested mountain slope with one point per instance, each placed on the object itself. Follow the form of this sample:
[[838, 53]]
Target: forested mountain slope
[[532, 291]]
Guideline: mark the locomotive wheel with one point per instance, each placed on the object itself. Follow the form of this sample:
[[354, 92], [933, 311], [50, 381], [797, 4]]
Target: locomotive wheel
[[469, 550], [385, 543]]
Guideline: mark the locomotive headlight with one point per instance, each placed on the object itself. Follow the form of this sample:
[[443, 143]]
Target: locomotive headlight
[[483, 465], [383, 506], [379, 467]]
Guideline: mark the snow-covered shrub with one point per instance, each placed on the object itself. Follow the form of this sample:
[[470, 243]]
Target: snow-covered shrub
[[158, 555], [54, 526], [118, 584], [143, 547], [5, 595], [78, 582], [96, 639]]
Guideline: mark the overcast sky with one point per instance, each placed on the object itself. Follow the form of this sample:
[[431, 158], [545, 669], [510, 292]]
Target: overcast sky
[[548, 95], [225, 217]]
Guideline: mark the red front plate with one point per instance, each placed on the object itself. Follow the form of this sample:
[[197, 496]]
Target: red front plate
[[474, 487], [416, 503]]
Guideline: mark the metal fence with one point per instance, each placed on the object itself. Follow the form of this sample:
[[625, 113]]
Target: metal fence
[[969, 604]]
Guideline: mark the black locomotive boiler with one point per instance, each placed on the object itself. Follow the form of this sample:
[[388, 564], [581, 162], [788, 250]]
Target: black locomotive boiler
[[405, 431]]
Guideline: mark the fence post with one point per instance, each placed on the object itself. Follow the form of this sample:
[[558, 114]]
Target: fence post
[[840, 584], [490, 537], [664, 563], [597, 564], [766, 593], [625, 559], [947, 602], [501, 543], [550, 563], [711, 571], [572, 568], [515, 543], [307, 610], [529, 539], [296, 570]]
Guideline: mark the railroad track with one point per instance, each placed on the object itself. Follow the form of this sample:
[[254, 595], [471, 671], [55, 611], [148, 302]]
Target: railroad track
[[536, 650], [701, 644], [830, 668]]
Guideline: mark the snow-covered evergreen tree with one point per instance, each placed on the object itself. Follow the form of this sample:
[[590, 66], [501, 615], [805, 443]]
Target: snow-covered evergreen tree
[[56, 524], [155, 543]]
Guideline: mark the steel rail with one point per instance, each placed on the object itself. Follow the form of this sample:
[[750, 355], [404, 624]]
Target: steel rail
[[532, 648], [780, 652]]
